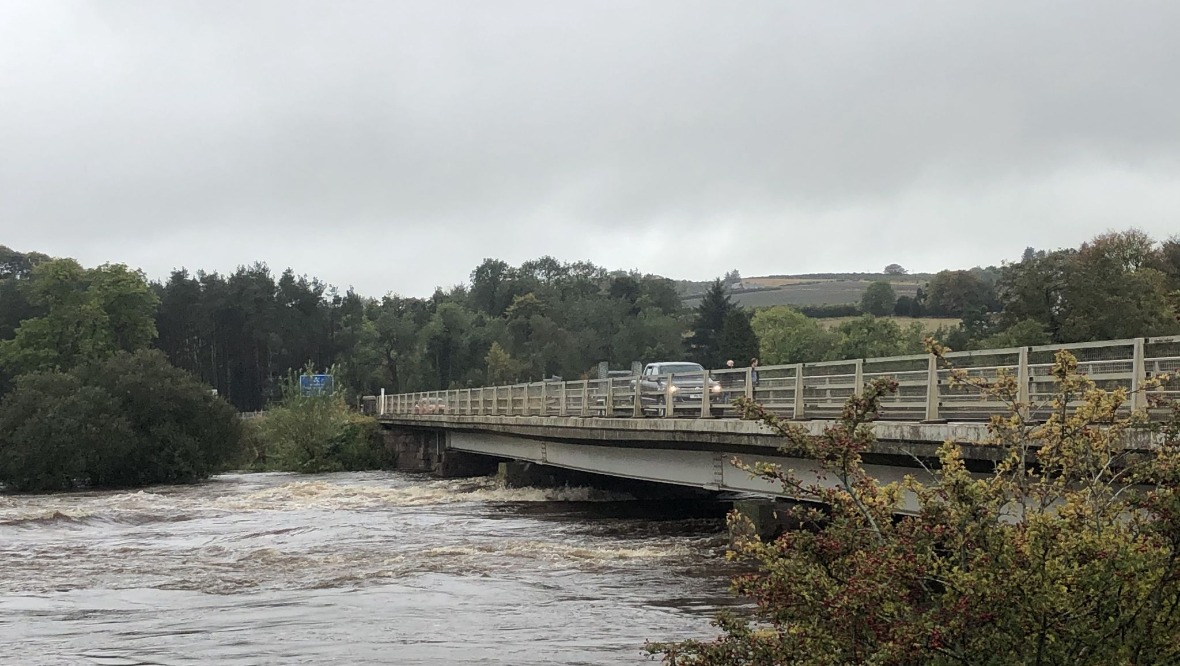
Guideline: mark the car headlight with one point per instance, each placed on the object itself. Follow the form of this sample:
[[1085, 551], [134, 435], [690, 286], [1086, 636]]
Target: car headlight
[[673, 389], [715, 388]]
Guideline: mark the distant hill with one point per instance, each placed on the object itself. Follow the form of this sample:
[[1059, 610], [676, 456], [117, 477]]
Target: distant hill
[[811, 289]]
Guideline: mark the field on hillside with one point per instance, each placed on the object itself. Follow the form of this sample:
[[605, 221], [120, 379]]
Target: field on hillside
[[791, 291], [777, 281], [783, 280], [929, 324]]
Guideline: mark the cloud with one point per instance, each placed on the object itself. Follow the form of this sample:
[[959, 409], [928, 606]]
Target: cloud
[[391, 146]]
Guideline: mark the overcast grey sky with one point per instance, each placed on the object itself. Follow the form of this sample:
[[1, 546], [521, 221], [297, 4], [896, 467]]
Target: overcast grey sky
[[393, 145]]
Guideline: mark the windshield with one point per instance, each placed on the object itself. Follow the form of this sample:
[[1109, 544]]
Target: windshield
[[678, 368]]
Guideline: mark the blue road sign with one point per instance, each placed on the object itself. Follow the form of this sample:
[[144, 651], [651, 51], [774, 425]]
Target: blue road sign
[[315, 384]]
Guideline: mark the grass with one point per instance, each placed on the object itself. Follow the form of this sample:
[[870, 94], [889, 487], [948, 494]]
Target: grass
[[929, 324]]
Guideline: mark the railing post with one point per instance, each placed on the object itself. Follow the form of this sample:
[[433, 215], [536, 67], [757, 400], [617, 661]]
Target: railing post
[[1023, 381], [544, 398], [669, 400], [563, 400], [799, 412], [609, 408], [858, 381], [1138, 375], [636, 399], [750, 383], [381, 404], [585, 397], [706, 395], [496, 400], [932, 394]]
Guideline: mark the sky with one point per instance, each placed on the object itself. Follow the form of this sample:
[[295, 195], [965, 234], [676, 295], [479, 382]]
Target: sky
[[392, 146]]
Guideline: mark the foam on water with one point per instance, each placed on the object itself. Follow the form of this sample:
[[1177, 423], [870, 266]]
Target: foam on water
[[283, 548], [328, 495]]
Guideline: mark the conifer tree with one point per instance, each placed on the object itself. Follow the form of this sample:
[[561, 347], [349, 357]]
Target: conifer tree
[[711, 313]]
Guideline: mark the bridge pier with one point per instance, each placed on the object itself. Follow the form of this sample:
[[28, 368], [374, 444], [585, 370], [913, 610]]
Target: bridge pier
[[413, 450], [421, 450], [765, 516], [521, 474], [455, 464]]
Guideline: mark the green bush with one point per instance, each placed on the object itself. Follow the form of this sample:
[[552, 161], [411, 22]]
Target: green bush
[[317, 433], [1065, 553], [127, 420]]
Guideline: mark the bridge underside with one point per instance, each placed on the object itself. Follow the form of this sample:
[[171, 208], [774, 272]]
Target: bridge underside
[[711, 470], [696, 452]]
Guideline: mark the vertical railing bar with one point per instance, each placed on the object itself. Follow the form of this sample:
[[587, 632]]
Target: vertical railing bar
[[799, 411]]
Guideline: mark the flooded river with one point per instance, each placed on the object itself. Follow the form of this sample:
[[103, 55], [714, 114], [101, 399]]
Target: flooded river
[[374, 568]]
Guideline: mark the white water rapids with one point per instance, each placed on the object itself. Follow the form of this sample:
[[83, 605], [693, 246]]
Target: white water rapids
[[373, 568]]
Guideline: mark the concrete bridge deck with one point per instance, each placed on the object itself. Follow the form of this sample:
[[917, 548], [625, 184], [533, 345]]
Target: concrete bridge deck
[[617, 427]]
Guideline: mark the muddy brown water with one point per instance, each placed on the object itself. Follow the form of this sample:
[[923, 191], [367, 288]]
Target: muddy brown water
[[369, 568]]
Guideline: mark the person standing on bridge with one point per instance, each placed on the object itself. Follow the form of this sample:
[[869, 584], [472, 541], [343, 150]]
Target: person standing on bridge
[[728, 381], [754, 371]]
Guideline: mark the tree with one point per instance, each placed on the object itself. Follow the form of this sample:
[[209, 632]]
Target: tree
[[18, 265], [907, 306], [1025, 333], [490, 287], [89, 314], [125, 420], [878, 299], [711, 313], [951, 293], [895, 269], [315, 432], [1111, 287], [1114, 291], [446, 342], [502, 368], [787, 336], [738, 340], [1035, 289], [1065, 554], [872, 337], [51, 427]]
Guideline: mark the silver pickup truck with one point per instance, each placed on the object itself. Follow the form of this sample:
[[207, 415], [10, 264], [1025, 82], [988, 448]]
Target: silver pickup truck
[[683, 380]]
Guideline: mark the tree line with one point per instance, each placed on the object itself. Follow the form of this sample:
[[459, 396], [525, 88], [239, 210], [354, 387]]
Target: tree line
[[1117, 285], [242, 332]]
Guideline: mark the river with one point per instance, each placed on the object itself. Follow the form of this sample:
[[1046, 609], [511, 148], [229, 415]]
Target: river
[[362, 568]]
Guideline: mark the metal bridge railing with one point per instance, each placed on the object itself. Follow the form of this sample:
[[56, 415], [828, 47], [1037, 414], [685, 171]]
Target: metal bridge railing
[[814, 390]]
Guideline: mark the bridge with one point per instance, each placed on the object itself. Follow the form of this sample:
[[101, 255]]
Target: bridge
[[684, 430]]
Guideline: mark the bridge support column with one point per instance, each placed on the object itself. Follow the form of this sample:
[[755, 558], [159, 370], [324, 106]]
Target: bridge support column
[[412, 450], [521, 474], [454, 464], [763, 516]]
